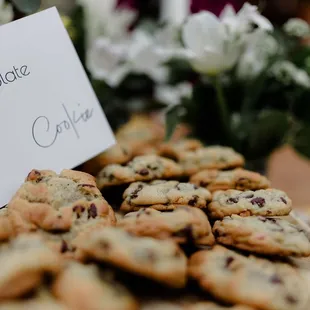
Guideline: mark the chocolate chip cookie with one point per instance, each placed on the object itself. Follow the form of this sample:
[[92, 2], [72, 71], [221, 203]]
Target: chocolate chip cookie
[[140, 131], [174, 150], [120, 153], [160, 260], [239, 179], [54, 202], [258, 283], [212, 157], [164, 195], [183, 225], [24, 262], [80, 287], [263, 235], [141, 168], [265, 202]]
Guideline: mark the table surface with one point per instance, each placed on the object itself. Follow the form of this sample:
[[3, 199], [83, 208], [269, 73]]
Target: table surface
[[291, 173]]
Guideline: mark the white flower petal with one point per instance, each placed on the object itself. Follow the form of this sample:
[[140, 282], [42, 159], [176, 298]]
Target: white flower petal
[[202, 29], [158, 74], [262, 22], [227, 12], [250, 14], [172, 95], [104, 61]]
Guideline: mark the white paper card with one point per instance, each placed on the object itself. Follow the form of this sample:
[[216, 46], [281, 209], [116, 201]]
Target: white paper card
[[50, 116]]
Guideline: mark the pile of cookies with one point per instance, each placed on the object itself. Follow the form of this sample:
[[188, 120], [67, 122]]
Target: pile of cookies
[[193, 231]]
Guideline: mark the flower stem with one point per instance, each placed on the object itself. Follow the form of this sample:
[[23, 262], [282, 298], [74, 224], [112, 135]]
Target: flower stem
[[223, 111]]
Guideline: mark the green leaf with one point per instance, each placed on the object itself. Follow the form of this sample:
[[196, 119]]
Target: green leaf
[[27, 6], [265, 133], [256, 87], [301, 140], [173, 118]]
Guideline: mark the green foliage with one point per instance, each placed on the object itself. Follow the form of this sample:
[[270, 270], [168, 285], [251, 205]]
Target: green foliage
[[27, 6], [172, 120], [265, 132], [301, 139]]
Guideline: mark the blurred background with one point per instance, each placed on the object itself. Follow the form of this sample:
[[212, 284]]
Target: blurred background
[[267, 89]]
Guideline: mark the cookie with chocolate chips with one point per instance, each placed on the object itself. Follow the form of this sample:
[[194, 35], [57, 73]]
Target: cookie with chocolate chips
[[80, 287], [174, 150], [265, 202], [159, 260], [57, 202], [183, 225], [239, 179], [263, 235], [164, 195], [141, 168], [121, 153], [258, 283], [24, 263], [211, 157]]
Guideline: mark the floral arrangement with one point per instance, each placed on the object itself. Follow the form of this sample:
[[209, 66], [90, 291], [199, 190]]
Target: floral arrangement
[[234, 78]]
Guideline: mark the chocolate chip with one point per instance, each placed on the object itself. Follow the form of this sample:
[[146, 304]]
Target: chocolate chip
[[193, 201], [270, 219], [64, 247], [134, 194], [86, 185], [78, 210], [92, 211], [232, 200], [143, 172], [186, 232], [216, 233], [249, 196], [283, 200], [276, 279], [258, 201], [203, 184], [291, 299], [104, 245], [195, 186], [152, 167], [229, 260], [35, 175]]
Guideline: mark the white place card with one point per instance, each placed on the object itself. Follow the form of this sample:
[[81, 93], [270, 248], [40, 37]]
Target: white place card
[[50, 116]]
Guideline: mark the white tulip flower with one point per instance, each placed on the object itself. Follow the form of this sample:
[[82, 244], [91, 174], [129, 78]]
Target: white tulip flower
[[208, 46], [172, 95], [259, 47], [287, 73], [6, 13], [242, 22], [297, 27]]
